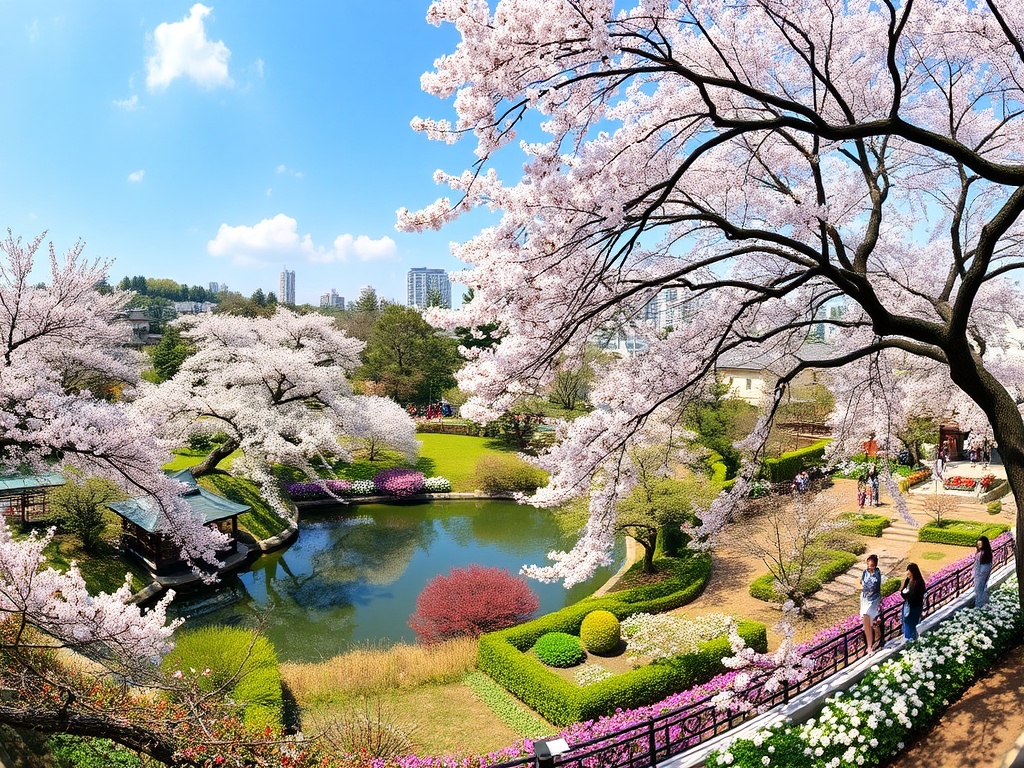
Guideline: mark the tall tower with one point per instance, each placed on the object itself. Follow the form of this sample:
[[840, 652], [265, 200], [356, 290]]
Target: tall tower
[[286, 287], [421, 281]]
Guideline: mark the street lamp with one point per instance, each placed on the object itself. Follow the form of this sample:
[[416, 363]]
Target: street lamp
[[547, 751]]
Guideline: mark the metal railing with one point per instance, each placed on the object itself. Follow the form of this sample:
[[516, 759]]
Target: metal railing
[[658, 738]]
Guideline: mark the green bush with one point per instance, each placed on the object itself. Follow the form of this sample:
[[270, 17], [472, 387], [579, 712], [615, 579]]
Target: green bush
[[994, 507], [233, 654], [832, 564], [867, 524], [503, 654], [83, 752], [560, 649], [786, 467], [842, 541], [502, 474], [600, 632], [891, 585], [960, 533]]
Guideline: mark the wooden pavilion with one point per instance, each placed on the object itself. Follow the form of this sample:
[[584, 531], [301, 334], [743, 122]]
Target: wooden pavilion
[[141, 537], [25, 498]]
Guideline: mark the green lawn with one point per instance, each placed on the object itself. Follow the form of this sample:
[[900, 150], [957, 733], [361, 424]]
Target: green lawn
[[454, 457], [103, 570], [186, 457]]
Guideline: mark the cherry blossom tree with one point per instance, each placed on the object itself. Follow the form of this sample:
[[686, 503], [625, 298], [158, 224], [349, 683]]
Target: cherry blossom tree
[[276, 388], [762, 160], [56, 338]]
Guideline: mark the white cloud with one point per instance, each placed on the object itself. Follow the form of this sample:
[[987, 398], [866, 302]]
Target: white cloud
[[363, 248], [128, 105], [33, 30], [258, 67], [278, 239], [269, 192], [289, 171], [181, 49], [136, 176]]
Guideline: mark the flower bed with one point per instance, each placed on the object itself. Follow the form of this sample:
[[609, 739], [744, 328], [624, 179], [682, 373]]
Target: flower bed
[[959, 483], [392, 482], [895, 700], [914, 478]]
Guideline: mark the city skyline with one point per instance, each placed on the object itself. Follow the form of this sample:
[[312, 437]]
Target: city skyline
[[213, 143]]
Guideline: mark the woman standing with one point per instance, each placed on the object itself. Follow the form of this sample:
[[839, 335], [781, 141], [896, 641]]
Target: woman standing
[[982, 570], [873, 486], [870, 600], [913, 590]]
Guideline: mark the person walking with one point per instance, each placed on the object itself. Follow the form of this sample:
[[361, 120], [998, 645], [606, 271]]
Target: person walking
[[870, 601], [873, 486], [912, 591], [982, 570]]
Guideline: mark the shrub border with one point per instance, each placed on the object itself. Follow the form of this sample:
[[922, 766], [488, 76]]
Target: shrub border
[[503, 655], [936, 533]]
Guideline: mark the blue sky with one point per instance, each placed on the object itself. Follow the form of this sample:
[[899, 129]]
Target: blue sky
[[221, 142]]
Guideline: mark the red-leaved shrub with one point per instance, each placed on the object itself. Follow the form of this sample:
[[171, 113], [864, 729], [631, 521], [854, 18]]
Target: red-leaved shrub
[[471, 601]]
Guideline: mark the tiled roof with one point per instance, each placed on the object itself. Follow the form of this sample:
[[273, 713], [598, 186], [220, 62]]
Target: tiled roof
[[209, 506]]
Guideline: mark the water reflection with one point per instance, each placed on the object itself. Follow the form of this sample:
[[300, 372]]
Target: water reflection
[[353, 576]]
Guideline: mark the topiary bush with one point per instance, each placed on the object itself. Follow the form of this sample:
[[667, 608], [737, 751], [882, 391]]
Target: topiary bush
[[891, 585], [559, 649], [867, 524], [600, 632]]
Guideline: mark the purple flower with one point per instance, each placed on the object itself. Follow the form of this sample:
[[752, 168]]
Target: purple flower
[[399, 482]]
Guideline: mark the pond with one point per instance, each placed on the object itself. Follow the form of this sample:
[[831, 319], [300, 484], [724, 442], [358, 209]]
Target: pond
[[352, 576]]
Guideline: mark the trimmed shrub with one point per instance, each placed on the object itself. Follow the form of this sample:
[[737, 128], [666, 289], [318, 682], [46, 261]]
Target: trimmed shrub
[[994, 507], [471, 601], [833, 564], [786, 467], [600, 632], [399, 482], [230, 653], [842, 541], [505, 473], [867, 524], [559, 649], [891, 585], [959, 533], [503, 657]]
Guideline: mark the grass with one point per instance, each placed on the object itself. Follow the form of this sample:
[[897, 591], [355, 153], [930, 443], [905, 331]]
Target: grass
[[186, 457], [261, 521], [373, 670], [933, 555], [452, 456], [103, 570]]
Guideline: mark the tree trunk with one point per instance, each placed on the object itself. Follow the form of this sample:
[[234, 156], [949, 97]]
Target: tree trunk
[[216, 456], [1008, 428]]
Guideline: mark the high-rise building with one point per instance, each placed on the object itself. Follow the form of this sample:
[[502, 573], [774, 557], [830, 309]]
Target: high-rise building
[[286, 287], [422, 281], [332, 299], [214, 287]]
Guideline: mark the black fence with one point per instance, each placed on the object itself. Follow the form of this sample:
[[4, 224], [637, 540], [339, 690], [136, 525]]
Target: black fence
[[649, 742]]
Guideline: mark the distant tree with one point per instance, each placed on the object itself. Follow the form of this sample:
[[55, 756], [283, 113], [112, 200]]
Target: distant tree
[[233, 303], [719, 421], [125, 284], [271, 299], [434, 297], [170, 353], [184, 292], [367, 301], [138, 284], [571, 384], [409, 358], [259, 298], [198, 293], [79, 507], [164, 286], [471, 601]]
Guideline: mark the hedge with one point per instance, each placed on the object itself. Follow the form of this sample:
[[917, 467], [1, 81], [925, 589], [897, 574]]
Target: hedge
[[503, 654], [786, 467], [834, 563], [959, 533], [867, 524]]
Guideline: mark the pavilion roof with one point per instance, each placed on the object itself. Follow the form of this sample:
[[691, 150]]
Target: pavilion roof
[[210, 507], [16, 483]]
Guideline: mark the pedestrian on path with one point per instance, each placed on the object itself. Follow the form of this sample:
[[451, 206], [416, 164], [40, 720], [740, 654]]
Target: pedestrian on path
[[913, 591], [873, 486], [982, 570], [870, 601]]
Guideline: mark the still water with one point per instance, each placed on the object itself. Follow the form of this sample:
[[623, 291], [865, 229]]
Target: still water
[[352, 576]]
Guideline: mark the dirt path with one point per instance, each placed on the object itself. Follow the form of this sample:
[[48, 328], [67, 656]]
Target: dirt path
[[979, 728]]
